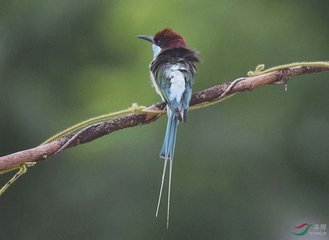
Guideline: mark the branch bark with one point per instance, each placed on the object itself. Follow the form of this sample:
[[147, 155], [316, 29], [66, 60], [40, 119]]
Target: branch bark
[[100, 129]]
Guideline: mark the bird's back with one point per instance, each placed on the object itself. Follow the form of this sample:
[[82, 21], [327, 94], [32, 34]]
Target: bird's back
[[173, 72]]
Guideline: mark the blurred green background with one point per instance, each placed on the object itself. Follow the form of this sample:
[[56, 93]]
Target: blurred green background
[[250, 168]]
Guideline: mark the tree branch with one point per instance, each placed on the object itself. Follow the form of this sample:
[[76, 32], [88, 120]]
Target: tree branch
[[140, 116]]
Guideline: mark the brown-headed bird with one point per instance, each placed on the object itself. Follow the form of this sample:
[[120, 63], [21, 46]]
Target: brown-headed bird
[[172, 74]]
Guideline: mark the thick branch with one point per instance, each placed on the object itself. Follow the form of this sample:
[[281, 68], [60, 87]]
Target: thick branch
[[100, 129]]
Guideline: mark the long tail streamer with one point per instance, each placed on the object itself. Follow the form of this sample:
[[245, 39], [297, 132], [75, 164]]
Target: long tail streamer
[[167, 153]]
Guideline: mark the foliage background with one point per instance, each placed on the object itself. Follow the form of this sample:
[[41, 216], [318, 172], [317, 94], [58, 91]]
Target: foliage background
[[250, 168]]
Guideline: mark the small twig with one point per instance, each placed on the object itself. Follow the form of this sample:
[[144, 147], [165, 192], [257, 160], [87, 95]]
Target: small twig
[[21, 170]]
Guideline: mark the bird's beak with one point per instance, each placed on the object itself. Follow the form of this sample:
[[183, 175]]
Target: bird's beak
[[146, 37]]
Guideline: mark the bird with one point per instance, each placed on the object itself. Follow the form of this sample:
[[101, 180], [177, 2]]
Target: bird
[[173, 72]]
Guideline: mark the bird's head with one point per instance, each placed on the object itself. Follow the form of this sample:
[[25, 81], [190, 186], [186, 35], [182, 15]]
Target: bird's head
[[165, 39]]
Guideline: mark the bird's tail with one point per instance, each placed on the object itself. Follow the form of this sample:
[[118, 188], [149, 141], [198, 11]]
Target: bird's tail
[[167, 153]]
